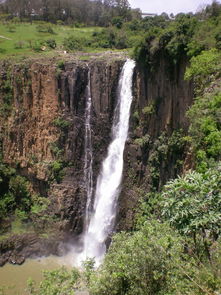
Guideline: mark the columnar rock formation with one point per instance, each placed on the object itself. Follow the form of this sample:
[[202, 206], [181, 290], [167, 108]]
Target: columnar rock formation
[[45, 125]]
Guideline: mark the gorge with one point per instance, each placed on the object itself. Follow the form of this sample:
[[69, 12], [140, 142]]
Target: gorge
[[110, 137], [43, 139]]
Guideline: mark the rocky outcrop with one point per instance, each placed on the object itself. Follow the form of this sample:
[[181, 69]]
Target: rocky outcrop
[[17, 248]]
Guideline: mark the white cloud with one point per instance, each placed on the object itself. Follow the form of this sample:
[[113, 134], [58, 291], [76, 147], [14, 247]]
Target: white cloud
[[169, 6]]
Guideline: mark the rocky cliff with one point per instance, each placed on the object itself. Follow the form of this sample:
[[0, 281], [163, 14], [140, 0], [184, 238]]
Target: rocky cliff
[[156, 150], [43, 123]]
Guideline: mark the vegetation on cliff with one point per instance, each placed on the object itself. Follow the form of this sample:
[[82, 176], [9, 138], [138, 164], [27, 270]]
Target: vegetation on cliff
[[175, 247]]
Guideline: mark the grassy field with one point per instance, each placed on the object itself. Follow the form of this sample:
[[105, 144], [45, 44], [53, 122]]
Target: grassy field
[[24, 39]]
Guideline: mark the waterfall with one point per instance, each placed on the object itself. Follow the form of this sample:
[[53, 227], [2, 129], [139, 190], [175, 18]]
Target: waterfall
[[108, 183], [88, 158]]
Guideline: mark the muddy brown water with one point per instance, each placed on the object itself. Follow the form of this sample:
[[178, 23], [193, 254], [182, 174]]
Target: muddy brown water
[[13, 278]]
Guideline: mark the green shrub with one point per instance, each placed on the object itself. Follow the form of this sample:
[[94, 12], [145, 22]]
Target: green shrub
[[145, 262], [56, 282], [75, 43], [45, 29], [205, 129], [18, 186], [148, 110], [2, 50], [51, 43], [61, 123], [61, 65], [37, 45], [203, 66], [142, 141], [57, 170], [39, 204], [117, 22], [192, 205]]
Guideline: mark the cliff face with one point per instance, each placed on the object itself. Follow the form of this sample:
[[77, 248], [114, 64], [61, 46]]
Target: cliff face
[[156, 151], [43, 132]]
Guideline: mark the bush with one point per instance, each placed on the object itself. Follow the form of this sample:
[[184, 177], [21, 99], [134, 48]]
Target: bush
[[57, 170], [61, 123], [56, 282], [18, 186], [117, 22], [74, 43], [205, 130], [37, 46], [45, 29], [51, 43], [2, 50], [192, 205], [142, 263], [203, 66]]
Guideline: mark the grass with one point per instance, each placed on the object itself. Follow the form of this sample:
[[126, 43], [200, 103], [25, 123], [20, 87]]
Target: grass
[[24, 36]]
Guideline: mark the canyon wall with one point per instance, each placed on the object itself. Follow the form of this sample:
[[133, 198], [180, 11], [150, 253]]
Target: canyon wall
[[42, 129], [156, 150]]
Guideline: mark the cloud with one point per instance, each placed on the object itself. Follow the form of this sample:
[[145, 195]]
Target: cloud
[[169, 6]]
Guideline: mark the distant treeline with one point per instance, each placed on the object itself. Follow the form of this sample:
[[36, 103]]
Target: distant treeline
[[97, 12]]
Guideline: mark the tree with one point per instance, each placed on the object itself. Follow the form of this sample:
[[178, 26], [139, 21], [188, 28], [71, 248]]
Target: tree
[[192, 205], [143, 263]]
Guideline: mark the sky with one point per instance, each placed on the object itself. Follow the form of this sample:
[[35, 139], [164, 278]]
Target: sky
[[168, 6]]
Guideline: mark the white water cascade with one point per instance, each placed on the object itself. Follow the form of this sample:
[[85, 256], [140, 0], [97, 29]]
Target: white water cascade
[[88, 158], [108, 183]]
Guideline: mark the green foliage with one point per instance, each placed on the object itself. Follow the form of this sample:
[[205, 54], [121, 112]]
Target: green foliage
[[57, 170], [193, 203], [45, 29], [72, 43], [37, 45], [145, 262], [203, 67], [56, 282], [19, 45], [163, 148], [205, 129], [61, 123], [14, 194], [148, 110], [89, 269], [150, 208], [51, 43], [39, 204], [117, 21], [6, 94], [18, 185], [111, 38], [142, 141], [61, 65], [56, 150]]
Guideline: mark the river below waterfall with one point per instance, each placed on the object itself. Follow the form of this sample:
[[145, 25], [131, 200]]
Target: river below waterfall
[[13, 278]]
